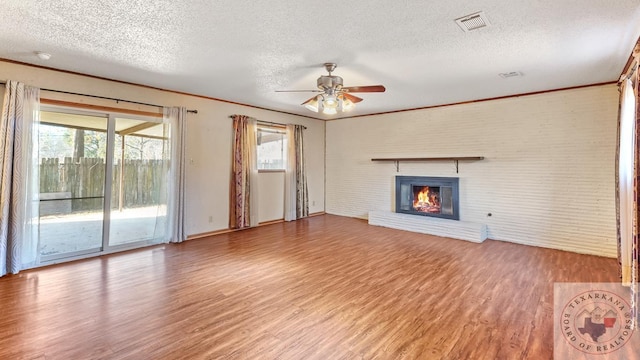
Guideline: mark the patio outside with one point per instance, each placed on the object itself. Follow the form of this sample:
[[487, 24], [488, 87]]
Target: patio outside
[[66, 233]]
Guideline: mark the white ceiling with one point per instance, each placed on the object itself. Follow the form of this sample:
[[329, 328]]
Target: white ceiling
[[242, 51]]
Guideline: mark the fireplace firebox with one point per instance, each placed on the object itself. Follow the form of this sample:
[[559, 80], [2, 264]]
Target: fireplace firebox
[[428, 196]]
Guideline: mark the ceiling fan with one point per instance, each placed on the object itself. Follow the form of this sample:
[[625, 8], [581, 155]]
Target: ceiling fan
[[333, 95]]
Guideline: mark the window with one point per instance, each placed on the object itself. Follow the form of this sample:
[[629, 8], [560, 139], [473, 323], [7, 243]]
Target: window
[[272, 148]]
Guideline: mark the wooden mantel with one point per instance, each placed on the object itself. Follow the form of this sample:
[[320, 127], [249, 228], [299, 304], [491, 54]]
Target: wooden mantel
[[455, 160]]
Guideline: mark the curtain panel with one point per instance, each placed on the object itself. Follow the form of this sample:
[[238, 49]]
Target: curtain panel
[[290, 193], [296, 198], [174, 119], [627, 195], [625, 179], [302, 195], [19, 184], [635, 242], [243, 203]]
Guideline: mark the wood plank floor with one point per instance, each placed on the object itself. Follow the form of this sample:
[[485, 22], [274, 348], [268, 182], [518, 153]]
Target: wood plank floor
[[326, 287]]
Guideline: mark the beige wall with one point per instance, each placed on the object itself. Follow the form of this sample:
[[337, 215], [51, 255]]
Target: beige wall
[[547, 178], [208, 138]]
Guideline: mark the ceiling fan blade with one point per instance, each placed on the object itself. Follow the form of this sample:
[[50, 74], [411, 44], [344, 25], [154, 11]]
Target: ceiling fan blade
[[298, 90], [371, 88], [354, 99], [310, 100]]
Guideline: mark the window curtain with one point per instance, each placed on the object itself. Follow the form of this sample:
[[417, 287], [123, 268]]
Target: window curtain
[[174, 119], [627, 175], [625, 179], [244, 173], [296, 198], [19, 186], [290, 177]]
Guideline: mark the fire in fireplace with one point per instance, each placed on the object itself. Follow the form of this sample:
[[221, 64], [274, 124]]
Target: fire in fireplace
[[428, 196], [426, 199]]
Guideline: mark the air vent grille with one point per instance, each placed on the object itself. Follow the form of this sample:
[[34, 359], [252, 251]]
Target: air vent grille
[[473, 21], [510, 74]]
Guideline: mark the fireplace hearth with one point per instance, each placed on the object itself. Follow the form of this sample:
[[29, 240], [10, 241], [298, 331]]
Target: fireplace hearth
[[428, 196]]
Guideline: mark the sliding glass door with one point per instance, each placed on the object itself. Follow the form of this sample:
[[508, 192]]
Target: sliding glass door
[[139, 182], [72, 151], [103, 183]]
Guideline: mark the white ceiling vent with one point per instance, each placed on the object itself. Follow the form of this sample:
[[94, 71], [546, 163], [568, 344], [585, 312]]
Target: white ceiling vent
[[510, 74], [473, 22]]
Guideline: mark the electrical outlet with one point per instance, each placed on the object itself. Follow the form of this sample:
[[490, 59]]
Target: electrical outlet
[[313, 203], [210, 218]]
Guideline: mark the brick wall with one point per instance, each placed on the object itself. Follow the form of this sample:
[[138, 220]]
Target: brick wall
[[547, 178]]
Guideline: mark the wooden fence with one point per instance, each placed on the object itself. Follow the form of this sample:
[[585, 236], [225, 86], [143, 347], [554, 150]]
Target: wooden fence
[[144, 182]]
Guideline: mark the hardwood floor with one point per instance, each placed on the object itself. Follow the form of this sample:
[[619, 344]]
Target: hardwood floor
[[326, 287]]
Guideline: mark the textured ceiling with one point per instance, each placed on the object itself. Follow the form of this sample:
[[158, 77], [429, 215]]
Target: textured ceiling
[[242, 51]]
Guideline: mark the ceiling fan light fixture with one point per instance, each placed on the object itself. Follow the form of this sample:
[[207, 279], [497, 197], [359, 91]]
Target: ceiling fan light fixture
[[347, 105], [330, 101], [330, 111], [312, 104]]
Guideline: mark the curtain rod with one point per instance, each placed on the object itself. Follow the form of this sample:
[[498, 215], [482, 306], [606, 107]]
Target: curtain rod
[[105, 98], [269, 122]]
